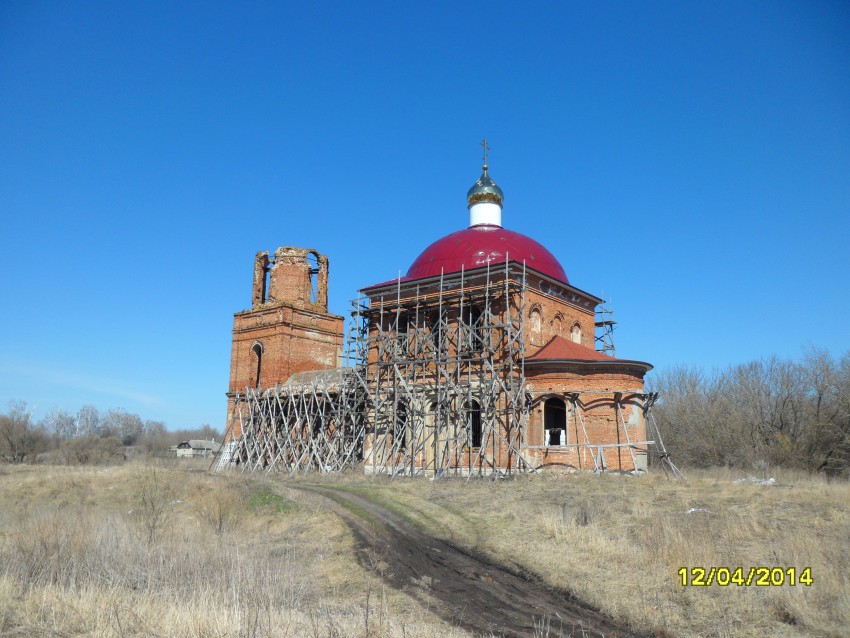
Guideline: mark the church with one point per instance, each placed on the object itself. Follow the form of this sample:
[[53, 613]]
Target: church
[[484, 359]]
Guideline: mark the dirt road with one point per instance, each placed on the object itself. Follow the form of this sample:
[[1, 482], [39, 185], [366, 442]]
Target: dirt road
[[473, 592]]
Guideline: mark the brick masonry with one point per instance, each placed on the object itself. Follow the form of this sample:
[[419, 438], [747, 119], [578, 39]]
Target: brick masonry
[[288, 328]]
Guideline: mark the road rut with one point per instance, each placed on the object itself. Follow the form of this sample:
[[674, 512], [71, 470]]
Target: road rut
[[473, 592]]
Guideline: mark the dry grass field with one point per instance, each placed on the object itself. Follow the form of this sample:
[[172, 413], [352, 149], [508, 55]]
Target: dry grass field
[[625, 538], [153, 550], [143, 550]]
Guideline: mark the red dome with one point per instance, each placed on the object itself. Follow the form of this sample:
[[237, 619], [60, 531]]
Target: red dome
[[474, 247]]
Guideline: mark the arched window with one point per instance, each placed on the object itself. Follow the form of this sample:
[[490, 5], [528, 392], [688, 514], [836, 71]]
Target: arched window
[[435, 432], [257, 349], [401, 323], [400, 426], [558, 324], [435, 327], [555, 422], [536, 321], [313, 265], [472, 420], [401, 328], [473, 330], [575, 333]]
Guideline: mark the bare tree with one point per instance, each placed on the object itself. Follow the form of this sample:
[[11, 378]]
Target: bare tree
[[61, 424], [128, 427], [827, 444], [767, 412], [154, 438], [88, 421], [20, 441], [154, 510]]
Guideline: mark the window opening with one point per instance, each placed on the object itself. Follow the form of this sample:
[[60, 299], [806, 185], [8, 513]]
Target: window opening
[[555, 422], [400, 427], [313, 262], [473, 423], [435, 327], [257, 348], [401, 331], [401, 328], [474, 331]]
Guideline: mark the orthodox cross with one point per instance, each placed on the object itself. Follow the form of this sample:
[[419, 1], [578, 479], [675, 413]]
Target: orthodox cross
[[486, 148]]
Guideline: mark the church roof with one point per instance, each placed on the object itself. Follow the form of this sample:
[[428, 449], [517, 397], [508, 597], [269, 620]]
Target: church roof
[[565, 351], [477, 246]]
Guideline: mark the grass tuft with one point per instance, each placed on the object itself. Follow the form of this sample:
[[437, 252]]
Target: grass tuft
[[264, 500]]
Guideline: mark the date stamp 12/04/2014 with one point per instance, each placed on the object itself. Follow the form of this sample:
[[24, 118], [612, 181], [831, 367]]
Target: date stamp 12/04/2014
[[745, 576]]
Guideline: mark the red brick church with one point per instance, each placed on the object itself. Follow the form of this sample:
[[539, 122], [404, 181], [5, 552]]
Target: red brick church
[[482, 359]]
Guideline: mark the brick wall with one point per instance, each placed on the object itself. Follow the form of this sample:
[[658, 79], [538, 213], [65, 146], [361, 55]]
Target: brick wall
[[597, 387], [288, 325], [559, 310]]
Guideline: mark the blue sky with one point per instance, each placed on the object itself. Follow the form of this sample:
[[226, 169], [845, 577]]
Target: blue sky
[[691, 160]]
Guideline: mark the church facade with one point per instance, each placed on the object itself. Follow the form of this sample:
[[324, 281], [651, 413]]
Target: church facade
[[482, 359]]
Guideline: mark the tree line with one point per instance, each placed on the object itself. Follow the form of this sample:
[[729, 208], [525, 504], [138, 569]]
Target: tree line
[[771, 412], [87, 437]]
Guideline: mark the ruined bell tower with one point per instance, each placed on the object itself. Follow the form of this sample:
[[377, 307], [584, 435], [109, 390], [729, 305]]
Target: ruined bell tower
[[288, 328]]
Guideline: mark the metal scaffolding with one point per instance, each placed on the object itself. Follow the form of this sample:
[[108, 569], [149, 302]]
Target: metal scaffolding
[[434, 384], [605, 325], [310, 423], [444, 366]]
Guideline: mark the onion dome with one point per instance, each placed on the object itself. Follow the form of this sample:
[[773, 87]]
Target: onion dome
[[485, 190]]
